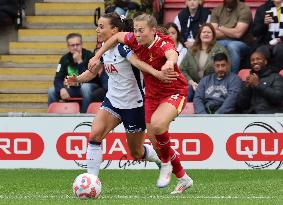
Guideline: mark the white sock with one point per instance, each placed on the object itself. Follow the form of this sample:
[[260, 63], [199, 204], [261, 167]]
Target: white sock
[[151, 155], [93, 159]]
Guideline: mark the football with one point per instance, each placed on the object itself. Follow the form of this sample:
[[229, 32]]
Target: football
[[87, 186]]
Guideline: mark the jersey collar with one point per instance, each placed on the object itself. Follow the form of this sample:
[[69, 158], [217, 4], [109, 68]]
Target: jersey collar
[[155, 39]]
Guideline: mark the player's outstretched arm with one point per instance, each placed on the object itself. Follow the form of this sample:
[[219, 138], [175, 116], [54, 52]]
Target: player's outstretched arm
[[89, 74], [85, 76], [164, 76], [111, 42], [172, 58]]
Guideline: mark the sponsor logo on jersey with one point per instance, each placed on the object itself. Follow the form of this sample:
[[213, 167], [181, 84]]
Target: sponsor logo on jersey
[[110, 68]]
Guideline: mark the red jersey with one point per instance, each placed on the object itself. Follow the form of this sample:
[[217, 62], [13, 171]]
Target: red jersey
[[154, 55]]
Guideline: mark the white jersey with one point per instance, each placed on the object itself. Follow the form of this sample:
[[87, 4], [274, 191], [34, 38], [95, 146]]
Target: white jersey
[[182, 52], [124, 83]]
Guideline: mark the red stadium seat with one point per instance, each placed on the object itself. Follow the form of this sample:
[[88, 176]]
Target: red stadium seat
[[93, 107], [73, 99], [64, 108], [189, 109], [281, 73], [243, 73], [171, 8]]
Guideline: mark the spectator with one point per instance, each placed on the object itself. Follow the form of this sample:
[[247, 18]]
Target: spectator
[[268, 29], [130, 8], [217, 93], [190, 19], [232, 22], [121, 7], [198, 61], [8, 11], [176, 36], [72, 64], [262, 91]]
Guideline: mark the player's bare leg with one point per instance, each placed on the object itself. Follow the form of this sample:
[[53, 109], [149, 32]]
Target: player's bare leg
[[101, 126], [139, 150], [159, 125]]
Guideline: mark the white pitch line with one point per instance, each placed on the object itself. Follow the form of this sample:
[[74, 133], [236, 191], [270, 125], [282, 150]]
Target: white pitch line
[[134, 197], [183, 197]]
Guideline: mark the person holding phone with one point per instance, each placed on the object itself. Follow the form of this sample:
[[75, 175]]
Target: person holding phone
[[268, 29]]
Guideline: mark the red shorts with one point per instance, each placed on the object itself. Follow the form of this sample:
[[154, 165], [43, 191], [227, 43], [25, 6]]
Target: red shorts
[[178, 101]]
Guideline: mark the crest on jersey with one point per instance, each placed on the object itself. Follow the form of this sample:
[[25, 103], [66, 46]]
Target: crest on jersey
[[150, 57]]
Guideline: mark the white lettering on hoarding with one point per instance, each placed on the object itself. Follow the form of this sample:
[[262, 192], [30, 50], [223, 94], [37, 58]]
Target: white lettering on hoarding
[[247, 151], [76, 150], [16, 142], [22, 140], [117, 146], [175, 145], [255, 149], [197, 146], [263, 148], [5, 146]]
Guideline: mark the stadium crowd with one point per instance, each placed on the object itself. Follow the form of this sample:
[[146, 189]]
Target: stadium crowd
[[230, 29]]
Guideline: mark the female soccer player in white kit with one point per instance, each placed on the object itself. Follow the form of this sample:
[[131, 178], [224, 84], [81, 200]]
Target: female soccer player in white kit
[[163, 102], [124, 99]]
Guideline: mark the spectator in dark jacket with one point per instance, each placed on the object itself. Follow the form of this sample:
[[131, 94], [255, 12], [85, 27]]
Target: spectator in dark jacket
[[268, 29], [217, 93], [74, 63], [190, 19], [262, 92], [8, 11]]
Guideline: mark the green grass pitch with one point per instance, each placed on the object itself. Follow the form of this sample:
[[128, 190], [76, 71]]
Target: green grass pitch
[[134, 187]]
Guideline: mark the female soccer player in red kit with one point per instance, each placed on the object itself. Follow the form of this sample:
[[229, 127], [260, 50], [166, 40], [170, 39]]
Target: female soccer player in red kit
[[163, 101]]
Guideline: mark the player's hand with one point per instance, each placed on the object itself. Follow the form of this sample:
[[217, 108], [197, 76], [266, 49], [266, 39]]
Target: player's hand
[[93, 62], [169, 65], [166, 76], [64, 94]]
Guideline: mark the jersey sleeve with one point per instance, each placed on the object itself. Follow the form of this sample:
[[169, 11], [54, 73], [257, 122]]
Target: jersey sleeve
[[125, 51], [130, 39], [166, 46]]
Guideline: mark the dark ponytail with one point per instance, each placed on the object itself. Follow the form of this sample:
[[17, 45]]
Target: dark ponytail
[[120, 22], [129, 25]]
